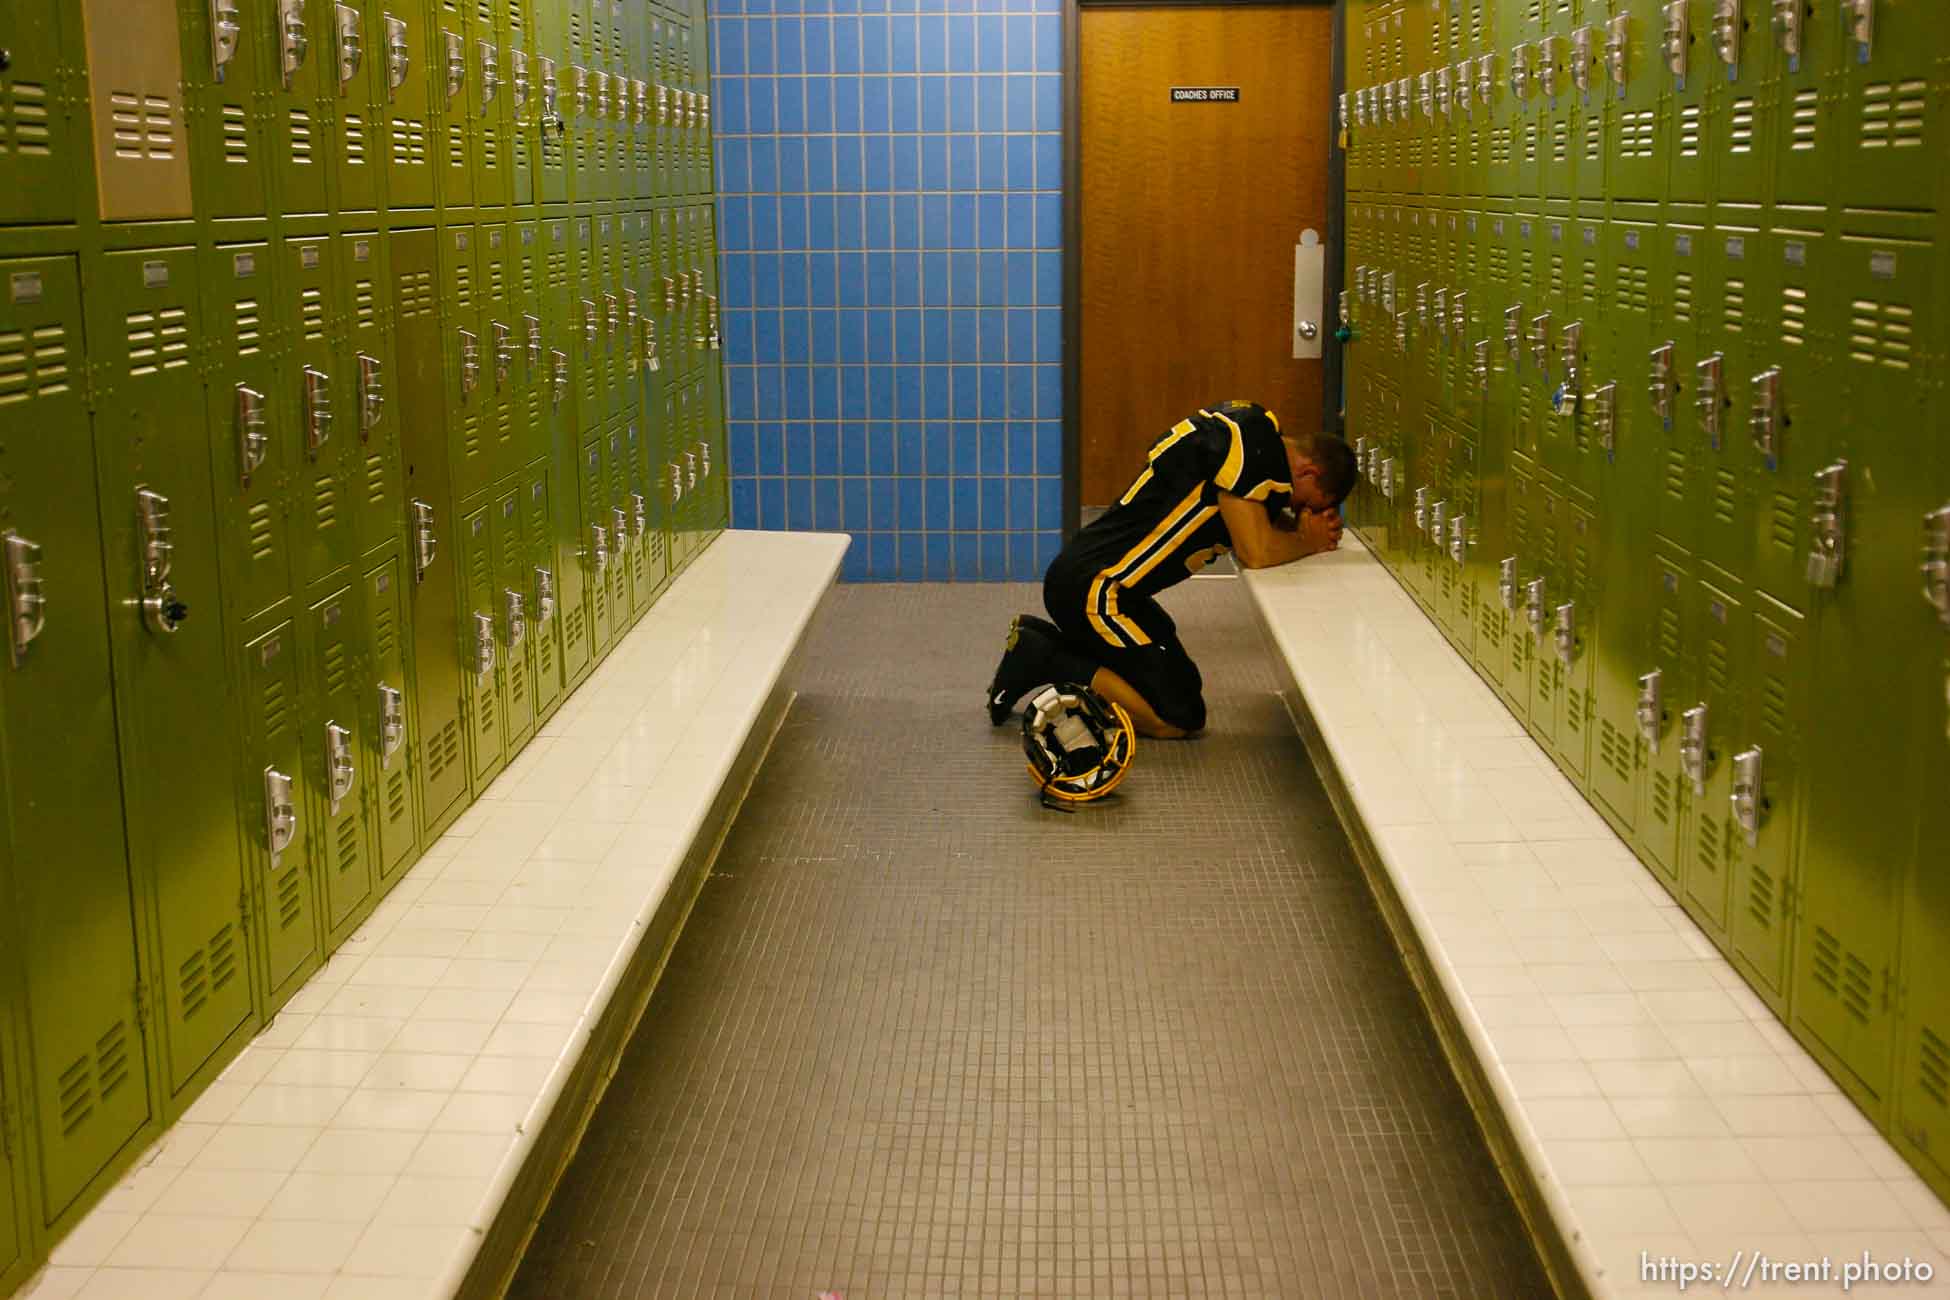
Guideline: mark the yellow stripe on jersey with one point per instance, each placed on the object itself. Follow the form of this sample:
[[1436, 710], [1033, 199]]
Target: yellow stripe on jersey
[[1100, 603], [1274, 420], [1235, 462], [1130, 493], [1166, 443], [1267, 489], [1172, 543]]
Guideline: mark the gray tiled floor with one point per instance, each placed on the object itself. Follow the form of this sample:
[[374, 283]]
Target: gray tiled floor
[[922, 1038]]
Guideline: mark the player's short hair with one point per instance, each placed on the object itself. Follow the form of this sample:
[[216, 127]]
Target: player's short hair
[[1335, 461]]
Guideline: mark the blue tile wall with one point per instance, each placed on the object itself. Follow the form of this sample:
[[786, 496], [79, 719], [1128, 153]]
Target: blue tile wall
[[890, 211]]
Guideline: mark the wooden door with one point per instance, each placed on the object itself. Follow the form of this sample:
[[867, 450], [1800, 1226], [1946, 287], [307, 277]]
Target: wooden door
[[1190, 214]]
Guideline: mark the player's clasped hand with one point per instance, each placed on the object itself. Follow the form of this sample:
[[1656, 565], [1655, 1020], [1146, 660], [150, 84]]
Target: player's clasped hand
[[1321, 529]]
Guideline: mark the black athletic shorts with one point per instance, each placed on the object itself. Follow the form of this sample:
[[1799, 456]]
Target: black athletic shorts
[[1161, 672]]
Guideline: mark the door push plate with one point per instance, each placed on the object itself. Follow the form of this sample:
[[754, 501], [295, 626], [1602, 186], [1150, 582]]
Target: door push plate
[[1746, 798], [1677, 41], [341, 773], [352, 44], [1828, 524], [1618, 51], [1692, 747], [280, 814], [544, 597], [1936, 562], [1709, 398], [392, 723], [1651, 709], [26, 603], [372, 393], [1765, 420], [515, 607], [1309, 298], [426, 544], [399, 56], [253, 440], [294, 40], [318, 409], [225, 27]]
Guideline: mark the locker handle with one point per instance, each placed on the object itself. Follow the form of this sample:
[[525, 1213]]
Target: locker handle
[[483, 644], [1678, 41], [1748, 804], [1859, 18], [161, 610], [456, 63], [1581, 60], [517, 616], [1533, 609], [1936, 562], [1828, 548], [372, 393], [1459, 540], [599, 548], [1464, 96], [1547, 66], [1506, 582], [341, 772], [639, 515], [470, 363], [426, 545], [318, 409], [225, 27], [1650, 710], [294, 40], [352, 45], [1486, 79], [1564, 633], [399, 57], [253, 442], [532, 327], [1766, 418], [392, 722], [490, 74], [1618, 45], [561, 378], [26, 601], [504, 354], [1692, 747], [280, 814], [518, 82], [544, 597], [1788, 18], [1728, 23]]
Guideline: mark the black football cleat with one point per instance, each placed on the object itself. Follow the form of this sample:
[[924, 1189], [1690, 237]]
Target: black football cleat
[[1023, 666]]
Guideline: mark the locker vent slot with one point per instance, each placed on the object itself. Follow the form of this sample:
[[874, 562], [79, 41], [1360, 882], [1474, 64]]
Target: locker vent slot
[[1784, 523], [249, 331], [23, 119], [1634, 289], [1794, 316], [1682, 296], [497, 282], [1761, 896], [1530, 143], [262, 528], [1476, 24], [1500, 147], [490, 148], [471, 436], [1774, 704], [1594, 138], [376, 479], [236, 134], [1668, 635], [1858, 986], [1716, 664], [277, 709], [300, 133], [385, 633], [143, 126], [325, 502], [33, 364], [1892, 115], [311, 312], [1933, 1066], [1710, 853], [1560, 141], [409, 142], [517, 678], [335, 668], [158, 340], [363, 304], [1591, 281], [1636, 133], [456, 146], [504, 422], [1740, 126], [415, 294], [291, 898], [1662, 799], [443, 751], [1676, 474], [347, 855], [572, 629], [1733, 306], [463, 285], [397, 806], [206, 971], [1804, 119], [355, 140], [1499, 263], [112, 1060], [486, 716], [534, 399], [1881, 332], [1615, 751], [1689, 131], [223, 958]]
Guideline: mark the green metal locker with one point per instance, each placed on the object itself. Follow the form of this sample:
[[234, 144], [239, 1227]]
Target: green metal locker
[[1518, 591], [1864, 510], [523, 102], [501, 411], [1635, 85], [365, 352], [1686, 49], [167, 626], [333, 754], [480, 641], [607, 350], [1672, 373], [1765, 770], [530, 367], [1808, 49], [1667, 691], [546, 593], [592, 396], [598, 548], [386, 719], [489, 102], [1922, 1120], [453, 77], [300, 130], [625, 545], [1710, 726], [81, 1022], [251, 449], [1890, 118], [407, 133], [43, 162], [572, 556], [515, 615], [1794, 404], [468, 370], [280, 842], [11, 1202], [1736, 330], [357, 78], [1740, 58], [431, 531], [228, 75], [317, 406]]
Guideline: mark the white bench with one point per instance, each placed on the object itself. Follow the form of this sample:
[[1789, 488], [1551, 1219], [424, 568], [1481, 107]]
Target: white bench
[[1637, 1095], [395, 1132]]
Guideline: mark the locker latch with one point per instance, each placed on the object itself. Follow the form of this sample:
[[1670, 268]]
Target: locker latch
[[1482, 367], [639, 516], [1513, 329], [690, 471], [1374, 463], [1727, 25], [1659, 384], [1859, 18], [1765, 421], [1388, 478], [1438, 524], [1540, 340], [1709, 399], [483, 644], [531, 326], [1677, 41], [640, 102], [352, 45], [253, 442], [1401, 331], [1388, 292], [225, 28], [1506, 582], [551, 95], [1459, 539], [704, 110], [490, 73], [1442, 90], [1548, 63], [1564, 632], [1358, 104], [579, 89], [629, 308], [1462, 96], [1486, 79], [1827, 527], [504, 353], [1788, 24], [26, 603], [650, 357], [589, 321], [318, 409], [711, 339], [560, 382], [1459, 313], [280, 814], [544, 597], [1442, 314], [691, 111], [340, 771], [1533, 608], [392, 722], [518, 82], [456, 64], [663, 105], [612, 316], [1581, 60], [1340, 112], [704, 457], [516, 607], [1520, 70], [294, 40], [1570, 352], [425, 543], [599, 91], [599, 548], [1618, 47], [161, 610], [1936, 562], [619, 527], [1421, 510], [399, 57], [676, 482], [1425, 93], [1651, 710], [1692, 747], [1748, 805], [470, 363]]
